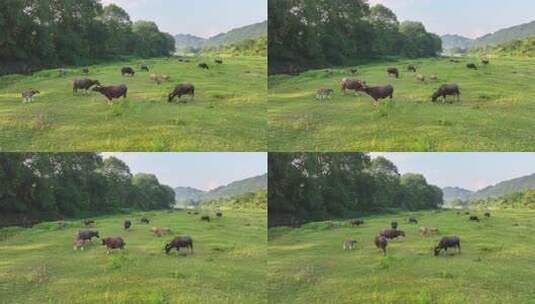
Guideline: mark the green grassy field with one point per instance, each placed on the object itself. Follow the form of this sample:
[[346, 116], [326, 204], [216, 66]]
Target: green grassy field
[[308, 265], [228, 114], [496, 112], [228, 265]]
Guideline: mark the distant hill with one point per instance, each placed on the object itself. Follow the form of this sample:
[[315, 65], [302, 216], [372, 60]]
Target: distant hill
[[502, 36], [456, 41], [456, 193], [517, 48], [192, 196], [253, 31]]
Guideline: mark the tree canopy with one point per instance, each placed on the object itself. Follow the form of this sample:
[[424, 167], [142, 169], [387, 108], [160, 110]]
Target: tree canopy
[[317, 186], [314, 33], [54, 185]]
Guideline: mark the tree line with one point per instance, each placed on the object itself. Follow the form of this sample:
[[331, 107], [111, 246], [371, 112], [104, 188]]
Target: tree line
[[56, 185], [524, 199], [314, 33], [317, 186], [42, 33]]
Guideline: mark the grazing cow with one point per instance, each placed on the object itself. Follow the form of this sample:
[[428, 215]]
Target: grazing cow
[[394, 225], [85, 71], [485, 61], [219, 61], [393, 72], [113, 243], [420, 78], [127, 71], [411, 68], [181, 90], [392, 233], [413, 220], [378, 93], [79, 244], [179, 242], [87, 235], [351, 84], [424, 231], [145, 220], [447, 90], [144, 67], [356, 222], [127, 224], [205, 218], [471, 66], [155, 78], [454, 60], [349, 244], [164, 78], [448, 242], [83, 84], [381, 242], [323, 94], [89, 222], [219, 214], [203, 66], [474, 218], [487, 214], [112, 92], [353, 71], [159, 232], [27, 95]]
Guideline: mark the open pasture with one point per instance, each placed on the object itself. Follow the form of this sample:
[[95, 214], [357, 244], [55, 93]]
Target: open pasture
[[308, 264], [496, 111], [228, 264], [228, 113]]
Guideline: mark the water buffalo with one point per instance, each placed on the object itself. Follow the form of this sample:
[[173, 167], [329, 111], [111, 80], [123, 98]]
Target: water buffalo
[[471, 66], [127, 71], [27, 95], [379, 92], [324, 93], [203, 66], [144, 67], [112, 92], [127, 224], [411, 68], [219, 61], [83, 84], [89, 222], [393, 72], [205, 218], [219, 214], [180, 242], [85, 71], [448, 242], [87, 235], [394, 225], [159, 232], [392, 233], [357, 222], [485, 61], [181, 90], [487, 214], [145, 220], [447, 90], [381, 242], [113, 243], [412, 220], [474, 218], [352, 84], [349, 244]]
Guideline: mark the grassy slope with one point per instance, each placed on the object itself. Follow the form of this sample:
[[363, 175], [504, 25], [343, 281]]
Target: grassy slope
[[496, 112], [308, 265], [228, 264], [227, 115]]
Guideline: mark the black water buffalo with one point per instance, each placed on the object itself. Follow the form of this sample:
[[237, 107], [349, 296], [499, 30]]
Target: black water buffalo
[[203, 66], [144, 67], [127, 71], [448, 242], [219, 61], [352, 84], [181, 90], [112, 92], [471, 66], [113, 243], [447, 90], [179, 242], [392, 233], [393, 72], [381, 242], [357, 222], [485, 61], [474, 218], [412, 220], [379, 92], [205, 218], [411, 68], [394, 225], [145, 220], [87, 235], [127, 224], [219, 214], [83, 84], [89, 222], [487, 214]]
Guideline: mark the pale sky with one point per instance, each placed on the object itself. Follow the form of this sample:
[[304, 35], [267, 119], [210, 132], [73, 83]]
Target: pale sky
[[204, 171], [203, 18], [470, 18], [472, 171]]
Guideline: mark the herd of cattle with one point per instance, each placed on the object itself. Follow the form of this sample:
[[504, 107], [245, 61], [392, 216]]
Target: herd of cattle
[[84, 237], [387, 91], [382, 238], [117, 91]]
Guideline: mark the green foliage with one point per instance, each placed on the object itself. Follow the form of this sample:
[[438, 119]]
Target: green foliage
[[524, 199], [250, 200], [72, 184], [515, 48], [313, 33], [315, 186], [37, 33], [250, 47]]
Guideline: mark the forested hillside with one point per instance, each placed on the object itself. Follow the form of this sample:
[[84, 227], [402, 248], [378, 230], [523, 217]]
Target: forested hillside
[[312, 33], [506, 35], [50, 186], [506, 187], [38, 34], [517, 48], [249, 200], [317, 186], [523, 199]]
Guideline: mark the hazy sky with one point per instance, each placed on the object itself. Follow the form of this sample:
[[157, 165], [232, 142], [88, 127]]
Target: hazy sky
[[203, 171], [470, 18], [204, 18], [471, 171]]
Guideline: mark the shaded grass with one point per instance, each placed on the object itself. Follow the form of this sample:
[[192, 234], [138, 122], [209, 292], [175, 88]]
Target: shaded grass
[[308, 265], [38, 265], [495, 112], [228, 114]]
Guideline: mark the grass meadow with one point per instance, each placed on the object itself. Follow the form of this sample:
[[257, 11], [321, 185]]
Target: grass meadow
[[39, 265], [228, 114], [496, 111], [308, 264]]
